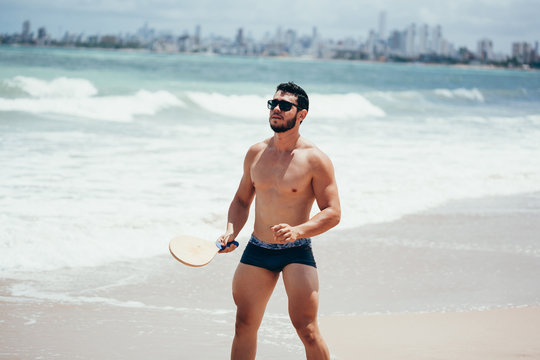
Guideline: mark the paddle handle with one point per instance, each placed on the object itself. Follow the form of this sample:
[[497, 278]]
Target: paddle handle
[[221, 247]]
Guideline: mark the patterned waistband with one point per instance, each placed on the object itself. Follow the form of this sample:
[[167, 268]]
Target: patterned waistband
[[299, 242]]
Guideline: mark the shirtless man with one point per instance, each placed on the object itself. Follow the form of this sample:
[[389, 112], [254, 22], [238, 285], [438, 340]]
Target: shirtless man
[[285, 174]]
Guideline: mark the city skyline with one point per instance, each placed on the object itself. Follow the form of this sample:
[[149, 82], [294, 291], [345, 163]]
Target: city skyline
[[502, 21]]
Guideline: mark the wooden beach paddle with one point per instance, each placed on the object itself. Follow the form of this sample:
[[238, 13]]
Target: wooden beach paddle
[[194, 251]]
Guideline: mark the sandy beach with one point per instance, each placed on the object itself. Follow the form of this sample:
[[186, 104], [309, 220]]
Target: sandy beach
[[504, 334], [71, 332]]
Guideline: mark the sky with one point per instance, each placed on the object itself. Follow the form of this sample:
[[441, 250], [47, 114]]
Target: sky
[[463, 22]]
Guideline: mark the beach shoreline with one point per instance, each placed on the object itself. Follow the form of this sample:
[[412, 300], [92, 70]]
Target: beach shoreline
[[407, 300]]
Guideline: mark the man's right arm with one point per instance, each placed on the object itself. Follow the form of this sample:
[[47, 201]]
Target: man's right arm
[[239, 208]]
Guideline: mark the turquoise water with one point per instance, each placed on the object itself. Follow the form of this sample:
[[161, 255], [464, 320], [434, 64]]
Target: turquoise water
[[199, 72]]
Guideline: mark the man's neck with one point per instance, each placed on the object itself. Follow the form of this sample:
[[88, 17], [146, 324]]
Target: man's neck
[[286, 141]]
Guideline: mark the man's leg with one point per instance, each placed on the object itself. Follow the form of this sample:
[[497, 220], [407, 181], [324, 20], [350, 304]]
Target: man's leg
[[252, 287], [302, 286]]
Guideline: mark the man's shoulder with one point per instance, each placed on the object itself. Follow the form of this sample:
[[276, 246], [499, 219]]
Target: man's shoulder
[[318, 161], [255, 149], [258, 147], [311, 151]]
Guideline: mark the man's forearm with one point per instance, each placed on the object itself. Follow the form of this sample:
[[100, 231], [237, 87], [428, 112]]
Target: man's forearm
[[237, 217], [320, 223]]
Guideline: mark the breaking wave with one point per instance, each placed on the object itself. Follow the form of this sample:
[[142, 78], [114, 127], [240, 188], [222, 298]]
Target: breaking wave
[[78, 98], [342, 106], [464, 94]]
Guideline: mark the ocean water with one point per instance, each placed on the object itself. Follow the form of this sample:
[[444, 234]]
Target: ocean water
[[101, 150]]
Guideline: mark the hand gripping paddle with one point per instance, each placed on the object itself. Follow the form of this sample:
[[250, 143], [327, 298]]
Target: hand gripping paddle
[[194, 251]]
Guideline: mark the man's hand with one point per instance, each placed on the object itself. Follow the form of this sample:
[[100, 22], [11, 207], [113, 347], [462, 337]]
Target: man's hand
[[284, 233], [224, 240]]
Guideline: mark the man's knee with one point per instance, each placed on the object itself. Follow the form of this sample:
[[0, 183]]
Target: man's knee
[[307, 331], [246, 324]]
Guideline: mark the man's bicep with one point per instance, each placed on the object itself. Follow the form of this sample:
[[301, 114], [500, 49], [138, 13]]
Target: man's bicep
[[245, 191]]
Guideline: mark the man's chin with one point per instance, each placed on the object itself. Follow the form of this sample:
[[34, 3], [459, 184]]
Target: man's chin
[[280, 129]]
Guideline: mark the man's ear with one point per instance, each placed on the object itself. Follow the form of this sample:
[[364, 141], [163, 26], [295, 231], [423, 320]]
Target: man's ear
[[302, 115]]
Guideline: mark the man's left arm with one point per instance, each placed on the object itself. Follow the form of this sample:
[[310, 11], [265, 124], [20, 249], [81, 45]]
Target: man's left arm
[[326, 195]]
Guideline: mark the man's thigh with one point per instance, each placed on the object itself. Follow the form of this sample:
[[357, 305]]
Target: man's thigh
[[252, 288], [302, 287]]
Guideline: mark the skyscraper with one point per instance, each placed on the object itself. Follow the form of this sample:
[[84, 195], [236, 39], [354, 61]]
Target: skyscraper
[[382, 26], [423, 36], [26, 35], [42, 37], [410, 40], [485, 49], [522, 52], [370, 44], [240, 37], [197, 38], [436, 40]]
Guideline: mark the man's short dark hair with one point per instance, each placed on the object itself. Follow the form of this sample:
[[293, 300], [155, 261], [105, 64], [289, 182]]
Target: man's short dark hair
[[292, 88]]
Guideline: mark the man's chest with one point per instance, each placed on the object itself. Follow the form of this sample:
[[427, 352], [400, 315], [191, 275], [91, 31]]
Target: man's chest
[[287, 174]]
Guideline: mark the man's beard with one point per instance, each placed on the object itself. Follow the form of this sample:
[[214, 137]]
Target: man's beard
[[282, 128]]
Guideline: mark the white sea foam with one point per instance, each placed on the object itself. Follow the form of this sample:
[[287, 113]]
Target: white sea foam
[[84, 235], [90, 220], [461, 93], [27, 292], [61, 87], [76, 98], [387, 191], [244, 106], [341, 106], [398, 96], [85, 210], [534, 119], [344, 106]]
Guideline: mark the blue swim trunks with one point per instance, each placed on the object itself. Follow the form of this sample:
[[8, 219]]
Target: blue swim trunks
[[275, 257]]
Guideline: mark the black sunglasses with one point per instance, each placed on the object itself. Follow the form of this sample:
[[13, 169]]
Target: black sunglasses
[[283, 105]]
